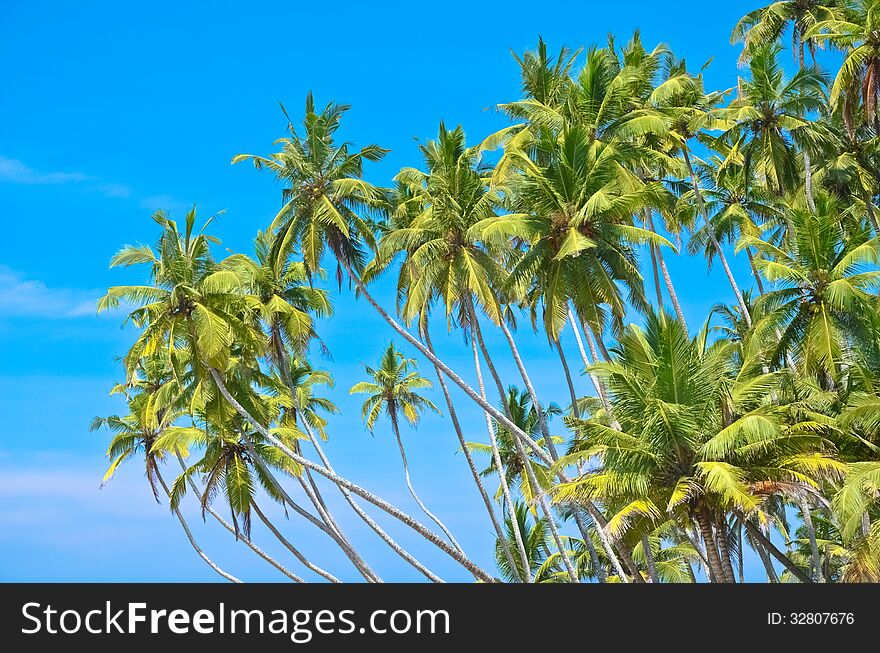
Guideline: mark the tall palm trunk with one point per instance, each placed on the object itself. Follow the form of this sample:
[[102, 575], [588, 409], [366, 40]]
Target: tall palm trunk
[[755, 271], [597, 384], [526, 462], [710, 230], [502, 476], [724, 549], [545, 432], [189, 536], [385, 537], [396, 428], [808, 181], [312, 490], [656, 273], [667, 279], [499, 532], [380, 503], [816, 559], [575, 411], [714, 560], [287, 545], [241, 536], [771, 548], [321, 524]]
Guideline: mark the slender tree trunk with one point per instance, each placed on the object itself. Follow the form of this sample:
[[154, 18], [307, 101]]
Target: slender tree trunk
[[755, 271], [241, 537], [189, 535], [369, 521], [808, 180], [396, 428], [287, 545], [816, 559], [499, 532], [653, 577], [597, 384], [724, 549], [380, 503], [710, 230], [415, 342], [771, 548], [667, 279], [321, 524], [711, 548], [768, 564], [599, 342], [740, 563], [311, 489], [499, 469], [554, 457], [656, 273], [574, 407]]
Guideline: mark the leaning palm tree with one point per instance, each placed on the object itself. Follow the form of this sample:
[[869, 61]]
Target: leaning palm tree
[[135, 434], [393, 390]]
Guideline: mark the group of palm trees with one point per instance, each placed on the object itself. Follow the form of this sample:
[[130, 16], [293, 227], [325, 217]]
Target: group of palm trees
[[680, 448]]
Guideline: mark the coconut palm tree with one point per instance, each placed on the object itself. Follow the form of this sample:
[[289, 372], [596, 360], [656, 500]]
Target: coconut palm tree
[[393, 389]]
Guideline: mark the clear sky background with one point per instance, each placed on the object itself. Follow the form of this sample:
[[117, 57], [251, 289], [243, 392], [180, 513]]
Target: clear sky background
[[109, 111]]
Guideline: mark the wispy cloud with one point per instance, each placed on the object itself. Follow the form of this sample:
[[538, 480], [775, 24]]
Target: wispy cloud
[[166, 202], [14, 171], [22, 297], [17, 172]]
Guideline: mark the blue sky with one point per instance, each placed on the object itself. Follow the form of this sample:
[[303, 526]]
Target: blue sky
[[110, 111]]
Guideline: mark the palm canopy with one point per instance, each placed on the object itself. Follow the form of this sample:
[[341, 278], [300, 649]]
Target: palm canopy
[[696, 433], [826, 288], [393, 388], [446, 222], [768, 25], [770, 116], [326, 200], [580, 233]]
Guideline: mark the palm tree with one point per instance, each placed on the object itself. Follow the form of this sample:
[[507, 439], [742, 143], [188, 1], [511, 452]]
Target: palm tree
[[393, 390], [769, 116], [768, 24], [694, 437], [824, 292]]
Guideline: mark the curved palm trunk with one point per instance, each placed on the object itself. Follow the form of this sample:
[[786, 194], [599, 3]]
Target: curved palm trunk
[[311, 490], [740, 563], [649, 560], [656, 273], [415, 342], [502, 476], [755, 271], [287, 545], [710, 230], [241, 536], [597, 384], [321, 524], [815, 558], [545, 432], [499, 532], [189, 536], [385, 537], [771, 548], [380, 503], [521, 453], [808, 179], [396, 427]]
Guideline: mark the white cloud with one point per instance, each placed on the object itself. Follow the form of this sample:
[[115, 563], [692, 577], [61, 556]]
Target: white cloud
[[30, 298], [15, 171]]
